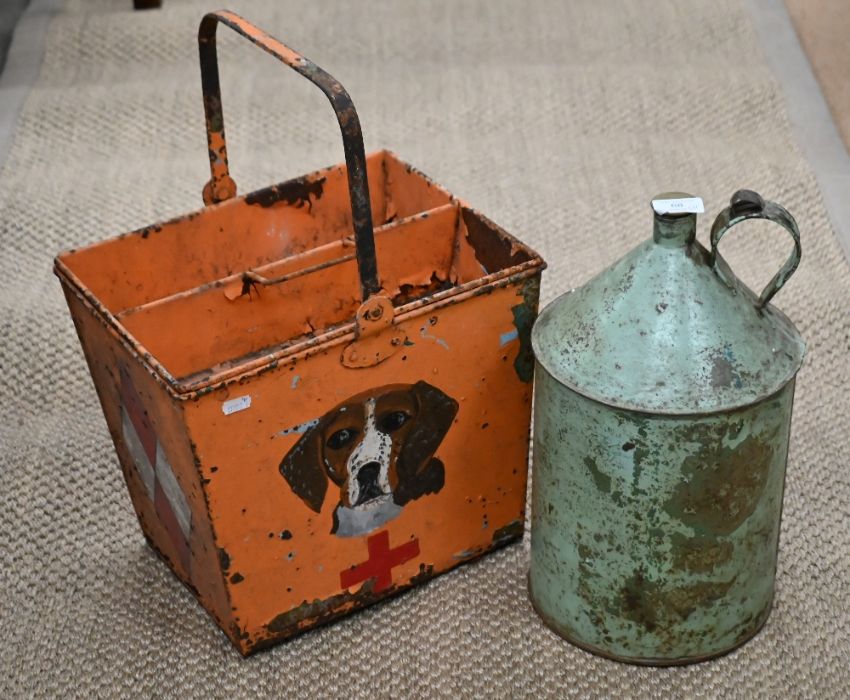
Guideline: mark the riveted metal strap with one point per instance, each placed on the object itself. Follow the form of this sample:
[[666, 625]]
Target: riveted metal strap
[[221, 186], [746, 204]]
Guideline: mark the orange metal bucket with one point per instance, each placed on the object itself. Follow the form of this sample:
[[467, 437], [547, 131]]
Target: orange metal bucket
[[311, 412]]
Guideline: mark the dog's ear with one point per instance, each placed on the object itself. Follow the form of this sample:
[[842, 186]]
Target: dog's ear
[[436, 413], [417, 472], [303, 470]]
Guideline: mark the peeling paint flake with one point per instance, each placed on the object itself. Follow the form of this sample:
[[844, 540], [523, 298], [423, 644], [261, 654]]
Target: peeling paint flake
[[439, 341], [300, 428], [506, 338]]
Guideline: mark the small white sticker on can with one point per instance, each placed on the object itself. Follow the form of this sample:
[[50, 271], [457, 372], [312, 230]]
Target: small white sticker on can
[[236, 405], [685, 205]]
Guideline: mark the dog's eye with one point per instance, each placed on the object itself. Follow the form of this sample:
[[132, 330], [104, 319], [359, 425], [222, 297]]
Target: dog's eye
[[392, 421], [341, 438]]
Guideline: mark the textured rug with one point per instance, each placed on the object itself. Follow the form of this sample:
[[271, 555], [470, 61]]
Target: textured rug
[[558, 120], [822, 28]]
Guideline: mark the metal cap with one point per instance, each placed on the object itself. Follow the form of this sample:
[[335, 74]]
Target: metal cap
[[669, 329]]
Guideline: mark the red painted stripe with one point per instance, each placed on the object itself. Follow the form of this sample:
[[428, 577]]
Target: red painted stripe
[[138, 416], [172, 526]]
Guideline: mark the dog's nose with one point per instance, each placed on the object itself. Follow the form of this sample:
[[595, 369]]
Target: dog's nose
[[367, 480]]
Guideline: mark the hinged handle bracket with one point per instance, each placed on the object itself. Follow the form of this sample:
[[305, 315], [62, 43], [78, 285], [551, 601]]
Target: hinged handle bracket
[[377, 338]]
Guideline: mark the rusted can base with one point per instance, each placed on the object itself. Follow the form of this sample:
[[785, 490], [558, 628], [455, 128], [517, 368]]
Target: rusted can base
[[561, 631]]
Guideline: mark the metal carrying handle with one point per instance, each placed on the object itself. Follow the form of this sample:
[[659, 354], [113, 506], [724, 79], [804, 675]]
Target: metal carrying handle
[[746, 204], [221, 186]]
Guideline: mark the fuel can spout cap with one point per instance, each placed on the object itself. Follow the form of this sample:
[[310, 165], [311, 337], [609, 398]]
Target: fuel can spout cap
[[675, 222]]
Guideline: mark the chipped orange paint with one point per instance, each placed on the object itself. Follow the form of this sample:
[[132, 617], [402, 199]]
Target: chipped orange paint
[[292, 451]]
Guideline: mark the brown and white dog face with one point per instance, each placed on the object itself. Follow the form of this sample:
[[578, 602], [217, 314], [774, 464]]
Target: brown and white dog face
[[378, 448]]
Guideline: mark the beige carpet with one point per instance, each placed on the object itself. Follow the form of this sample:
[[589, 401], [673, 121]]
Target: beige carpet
[[558, 120], [822, 26]]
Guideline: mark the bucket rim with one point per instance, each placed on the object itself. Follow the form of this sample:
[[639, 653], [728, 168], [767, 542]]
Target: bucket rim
[[193, 386]]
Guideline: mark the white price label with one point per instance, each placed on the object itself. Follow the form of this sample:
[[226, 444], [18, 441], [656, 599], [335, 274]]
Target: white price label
[[236, 405], [686, 205]]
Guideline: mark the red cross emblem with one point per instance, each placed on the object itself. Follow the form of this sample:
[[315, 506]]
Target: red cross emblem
[[380, 563], [154, 470]]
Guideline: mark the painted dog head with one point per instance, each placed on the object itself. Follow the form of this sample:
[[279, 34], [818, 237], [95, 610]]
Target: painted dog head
[[378, 448]]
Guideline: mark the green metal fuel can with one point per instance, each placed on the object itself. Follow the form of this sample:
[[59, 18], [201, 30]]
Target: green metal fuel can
[[662, 414]]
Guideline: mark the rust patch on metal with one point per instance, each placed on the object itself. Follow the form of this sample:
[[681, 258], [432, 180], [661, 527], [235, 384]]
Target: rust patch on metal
[[508, 533], [524, 316], [651, 605], [296, 193], [721, 372], [493, 253], [319, 611], [147, 230], [700, 554], [722, 485], [223, 560], [602, 481], [413, 292]]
